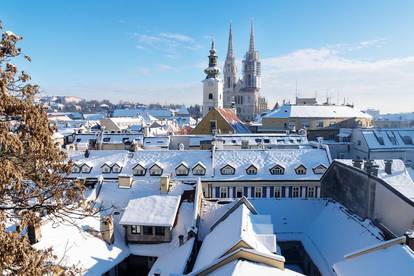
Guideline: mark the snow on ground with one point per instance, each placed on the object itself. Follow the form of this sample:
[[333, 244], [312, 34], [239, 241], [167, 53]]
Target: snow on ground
[[326, 230]]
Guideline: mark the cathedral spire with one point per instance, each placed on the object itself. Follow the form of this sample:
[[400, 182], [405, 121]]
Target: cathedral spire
[[230, 47], [251, 45]]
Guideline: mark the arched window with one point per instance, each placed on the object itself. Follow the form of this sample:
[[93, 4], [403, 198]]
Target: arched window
[[210, 96]]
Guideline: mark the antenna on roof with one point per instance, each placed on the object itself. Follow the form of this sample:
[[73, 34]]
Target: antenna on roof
[[296, 88]]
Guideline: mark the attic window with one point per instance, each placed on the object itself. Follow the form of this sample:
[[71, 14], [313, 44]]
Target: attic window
[[156, 170], [116, 168], [320, 169], [78, 140], [86, 168], [277, 170], [106, 139], [181, 170], [199, 170], [251, 170], [267, 141], [75, 169], [227, 170], [300, 170], [139, 170]]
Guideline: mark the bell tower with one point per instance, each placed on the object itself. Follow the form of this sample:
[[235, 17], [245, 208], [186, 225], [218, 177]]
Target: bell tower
[[212, 84]]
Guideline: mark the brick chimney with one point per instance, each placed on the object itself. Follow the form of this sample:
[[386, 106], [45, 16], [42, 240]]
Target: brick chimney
[[34, 232], [388, 166], [107, 229], [165, 183]]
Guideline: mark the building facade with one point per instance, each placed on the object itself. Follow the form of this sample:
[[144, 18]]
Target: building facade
[[243, 93]]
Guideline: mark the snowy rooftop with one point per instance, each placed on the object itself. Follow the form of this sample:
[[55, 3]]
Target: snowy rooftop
[[327, 230], [399, 178], [155, 210], [389, 138], [264, 160], [239, 225], [317, 111]]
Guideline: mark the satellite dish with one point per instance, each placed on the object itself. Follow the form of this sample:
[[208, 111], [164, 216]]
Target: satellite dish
[[181, 146]]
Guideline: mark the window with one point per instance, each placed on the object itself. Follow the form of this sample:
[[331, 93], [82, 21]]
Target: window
[[78, 140], [359, 142], [75, 169], [106, 169], [267, 141], [311, 191], [277, 170], [258, 192], [210, 96], [147, 230], [116, 169], [106, 139], [199, 170], [86, 169], [213, 125], [223, 192], [155, 170], [139, 170], [125, 139], [320, 124], [159, 231], [295, 192], [320, 169], [239, 192], [227, 170], [181, 170], [251, 170], [300, 170], [277, 192], [135, 229]]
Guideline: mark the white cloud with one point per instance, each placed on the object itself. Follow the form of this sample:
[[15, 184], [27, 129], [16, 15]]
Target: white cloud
[[168, 44], [386, 84]]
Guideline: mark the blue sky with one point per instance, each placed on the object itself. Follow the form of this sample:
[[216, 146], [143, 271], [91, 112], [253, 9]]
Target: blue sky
[[155, 51]]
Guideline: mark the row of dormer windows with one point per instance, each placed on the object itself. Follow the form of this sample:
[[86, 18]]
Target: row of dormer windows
[[276, 170]]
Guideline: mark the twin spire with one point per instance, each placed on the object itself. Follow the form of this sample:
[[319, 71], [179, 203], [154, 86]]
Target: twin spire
[[230, 45]]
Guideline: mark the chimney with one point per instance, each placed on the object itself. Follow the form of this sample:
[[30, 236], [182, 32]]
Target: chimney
[[388, 166], [86, 153], [409, 239], [245, 144], [367, 165], [107, 229], [164, 183], [357, 163], [34, 232], [181, 239]]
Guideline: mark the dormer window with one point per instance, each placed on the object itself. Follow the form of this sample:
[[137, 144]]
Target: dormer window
[[182, 169], [227, 170], [106, 167], [277, 170], [199, 169], [116, 168], [300, 169], [86, 168], [76, 168], [156, 170], [320, 169], [251, 170], [139, 170]]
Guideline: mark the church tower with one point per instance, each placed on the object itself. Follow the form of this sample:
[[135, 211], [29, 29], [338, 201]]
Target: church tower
[[212, 84], [252, 65], [230, 71]]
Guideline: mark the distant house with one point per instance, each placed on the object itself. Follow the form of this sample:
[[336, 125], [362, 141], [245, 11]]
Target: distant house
[[319, 120], [220, 120], [157, 218]]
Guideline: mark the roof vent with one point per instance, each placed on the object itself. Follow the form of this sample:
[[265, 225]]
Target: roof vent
[[357, 163]]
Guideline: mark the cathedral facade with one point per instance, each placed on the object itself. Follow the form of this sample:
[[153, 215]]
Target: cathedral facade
[[244, 93]]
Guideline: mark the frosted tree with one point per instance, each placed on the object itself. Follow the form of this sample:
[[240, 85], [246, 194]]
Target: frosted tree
[[32, 168]]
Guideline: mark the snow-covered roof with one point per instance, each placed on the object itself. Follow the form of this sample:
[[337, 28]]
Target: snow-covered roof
[[154, 210], [76, 244], [317, 111], [264, 160], [157, 113], [94, 116], [240, 225], [399, 178], [167, 159], [388, 138], [399, 260], [262, 139], [156, 141], [327, 230]]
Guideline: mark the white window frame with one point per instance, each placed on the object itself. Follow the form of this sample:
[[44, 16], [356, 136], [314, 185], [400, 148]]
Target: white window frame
[[258, 193], [295, 191], [311, 192], [239, 190], [277, 192], [223, 192]]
